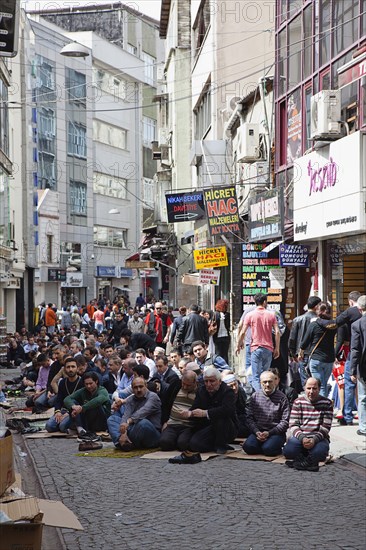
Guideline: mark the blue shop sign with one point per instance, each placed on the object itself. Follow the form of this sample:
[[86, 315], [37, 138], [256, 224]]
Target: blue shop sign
[[106, 271], [125, 272], [294, 255]]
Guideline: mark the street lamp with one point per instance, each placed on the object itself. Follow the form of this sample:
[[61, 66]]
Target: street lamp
[[74, 49]]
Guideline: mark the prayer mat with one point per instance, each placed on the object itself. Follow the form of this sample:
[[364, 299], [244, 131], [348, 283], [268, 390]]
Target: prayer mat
[[240, 455], [111, 452], [47, 435], [165, 455], [27, 415]]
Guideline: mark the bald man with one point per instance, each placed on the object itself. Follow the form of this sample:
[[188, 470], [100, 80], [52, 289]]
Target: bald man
[[177, 432], [310, 423], [267, 418]]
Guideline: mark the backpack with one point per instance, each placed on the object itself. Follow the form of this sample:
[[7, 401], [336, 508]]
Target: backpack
[[151, 326]]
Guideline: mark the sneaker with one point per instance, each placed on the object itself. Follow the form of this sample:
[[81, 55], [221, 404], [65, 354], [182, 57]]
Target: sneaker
[[184, 458], [87, 436], [361, 432], [306, 463], [224, 449], [90, 446], [289, 463]]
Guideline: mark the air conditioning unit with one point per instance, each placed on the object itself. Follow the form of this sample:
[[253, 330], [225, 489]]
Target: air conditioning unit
[[325, 115], [256, 173], [163, 136], [231, 102], [165, 155], [248, 147]]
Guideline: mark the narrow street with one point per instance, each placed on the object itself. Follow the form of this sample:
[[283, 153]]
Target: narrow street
[[222, 503]]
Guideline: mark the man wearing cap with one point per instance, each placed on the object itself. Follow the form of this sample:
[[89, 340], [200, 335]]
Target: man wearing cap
[[267, 418], [240, 403], [214, 414]]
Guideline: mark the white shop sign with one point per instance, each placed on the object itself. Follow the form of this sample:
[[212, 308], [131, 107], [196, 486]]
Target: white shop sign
[[73, 280], [328, 190]]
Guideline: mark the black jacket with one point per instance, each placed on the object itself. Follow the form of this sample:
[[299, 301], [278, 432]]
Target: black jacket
[[142, 340], [218, 321], [194, 327], [358, 348], [117, 328], [298, 330], [221, 404], [348, 317], [325, 349]]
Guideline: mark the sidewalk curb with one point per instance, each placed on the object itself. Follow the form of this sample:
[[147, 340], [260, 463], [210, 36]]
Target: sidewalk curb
[[21, 442]]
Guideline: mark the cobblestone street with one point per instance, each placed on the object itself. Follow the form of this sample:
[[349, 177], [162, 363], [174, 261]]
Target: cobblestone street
[[219, 504]]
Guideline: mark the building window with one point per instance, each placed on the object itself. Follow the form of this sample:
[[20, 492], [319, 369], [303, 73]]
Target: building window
[[308, 92], [78, 191], [149, 130], [110, 84], [345, 25], [49, 245], [75, 86], [150, 62], [201, 25], [294, 52], [76, 140], [202, 114], [4, 118], [149, 193], [363, 15], [324, 31], [109, 236], [282, 64], [45, 74], [110, 186], [109, 135], [308, 41], [46, 170]]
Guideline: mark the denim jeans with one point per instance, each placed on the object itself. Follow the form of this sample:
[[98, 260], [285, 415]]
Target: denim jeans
[[271, 447], [361, 385], [114, 422], [322, 372], [303, 374], [261, 361], [144, 435], [248, 363], [294, 449], [349, 392], [53, 426]]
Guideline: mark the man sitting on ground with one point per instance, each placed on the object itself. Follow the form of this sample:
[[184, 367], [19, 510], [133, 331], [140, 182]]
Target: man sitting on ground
[[267, 418], [177, 432], [310, 423], [61, 420], [89, 406], [214, 413], [240, 403], [141, 421]]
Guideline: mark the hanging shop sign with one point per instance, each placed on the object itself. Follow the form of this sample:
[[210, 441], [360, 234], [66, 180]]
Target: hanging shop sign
[[209, 276], [294, 126], [183, 207], [210, 257], [56, 275], [73, 280], [352, 71], [9, 28], [265, 219], [294, 255], [328, 190], [222, 210], [277, 278], [256, 268]]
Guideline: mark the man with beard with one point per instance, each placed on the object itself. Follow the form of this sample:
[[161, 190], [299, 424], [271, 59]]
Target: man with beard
[[71, 382]]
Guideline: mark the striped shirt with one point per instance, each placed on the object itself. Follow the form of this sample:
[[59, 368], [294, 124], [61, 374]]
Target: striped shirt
[[182, 402], [311, 419], [268, 413]]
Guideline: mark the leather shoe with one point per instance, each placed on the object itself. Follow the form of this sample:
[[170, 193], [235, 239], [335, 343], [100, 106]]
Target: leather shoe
[[360, 432], [186, 459]]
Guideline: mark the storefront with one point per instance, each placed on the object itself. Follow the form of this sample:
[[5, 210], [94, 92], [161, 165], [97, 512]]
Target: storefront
[[73, 290], [329, 208], [113, 281]]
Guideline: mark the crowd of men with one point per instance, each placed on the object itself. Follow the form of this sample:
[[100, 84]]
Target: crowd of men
[[150, 380]]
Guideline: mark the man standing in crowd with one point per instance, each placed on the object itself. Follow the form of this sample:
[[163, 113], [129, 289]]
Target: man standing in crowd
[[50, 319], [298, 330], [267, 418], [193, 328], [157, 324], [262, 322], [348, 317], [358, 362], [310, 422]]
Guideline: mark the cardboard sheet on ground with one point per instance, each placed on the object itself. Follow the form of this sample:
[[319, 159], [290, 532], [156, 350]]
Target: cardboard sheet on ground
[[47, 435], [165, 455], [32, 417], [240, 455]]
